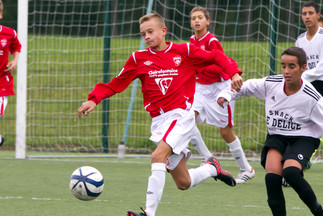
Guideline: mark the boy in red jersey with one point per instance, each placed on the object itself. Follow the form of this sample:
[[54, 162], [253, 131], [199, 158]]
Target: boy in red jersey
[[167, 73], [210, 81], [9, 43]]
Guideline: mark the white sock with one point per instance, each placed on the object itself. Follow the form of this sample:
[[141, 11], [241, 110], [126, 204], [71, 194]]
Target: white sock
[[156, 183], [199, 145], [201, 173], [239, 156]]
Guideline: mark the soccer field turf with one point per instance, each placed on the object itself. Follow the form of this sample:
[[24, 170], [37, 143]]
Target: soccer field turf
[[34, 187]]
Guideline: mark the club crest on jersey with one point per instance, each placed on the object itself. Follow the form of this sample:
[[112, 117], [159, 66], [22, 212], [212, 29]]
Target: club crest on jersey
[[164, 83], [203, 47], [3, 42], [148, 63], [177, 60]]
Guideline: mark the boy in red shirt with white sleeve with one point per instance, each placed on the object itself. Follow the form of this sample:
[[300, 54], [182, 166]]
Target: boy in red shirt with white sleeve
[[9, 43], [210, 81], [167, 73]]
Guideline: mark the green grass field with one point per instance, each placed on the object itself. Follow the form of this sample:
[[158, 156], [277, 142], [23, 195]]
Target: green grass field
[[35, 187]]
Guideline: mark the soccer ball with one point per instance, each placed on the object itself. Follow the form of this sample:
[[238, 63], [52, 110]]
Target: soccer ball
[[86, 183]]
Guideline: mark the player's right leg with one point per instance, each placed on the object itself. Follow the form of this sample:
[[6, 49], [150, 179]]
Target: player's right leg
[[271, 160], [3, 105], [156, 181], [132, 213], [246, 171]]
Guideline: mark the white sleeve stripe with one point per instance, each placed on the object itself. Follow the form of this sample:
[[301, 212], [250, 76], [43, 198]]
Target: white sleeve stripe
[[308, 90], [147, 106], [134, 57], [188, 49], [15, 34], [212, 39]]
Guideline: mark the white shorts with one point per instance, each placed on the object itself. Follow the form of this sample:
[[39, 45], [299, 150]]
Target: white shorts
[[205, 103], [3, 104], [176, 128]]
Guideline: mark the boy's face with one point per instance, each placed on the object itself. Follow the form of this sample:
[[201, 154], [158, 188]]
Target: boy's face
[[291, 69], [198, 21], [153, 33], [310, 17]]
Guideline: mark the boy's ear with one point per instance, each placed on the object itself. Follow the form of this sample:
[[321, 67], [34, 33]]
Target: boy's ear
[[303, 68], [164, 30]]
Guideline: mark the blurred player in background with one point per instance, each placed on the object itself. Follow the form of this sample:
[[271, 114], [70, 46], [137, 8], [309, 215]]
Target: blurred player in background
[[294, 113], [321, 21], [167, 73], [210, 81], [312, 43], [9, 43]]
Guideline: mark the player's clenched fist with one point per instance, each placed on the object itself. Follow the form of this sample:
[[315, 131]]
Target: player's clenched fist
[[86, 108], [236, 82]]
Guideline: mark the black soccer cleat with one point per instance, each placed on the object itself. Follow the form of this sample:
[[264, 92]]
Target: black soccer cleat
[[223, 175], [131, 213], [1, 140]]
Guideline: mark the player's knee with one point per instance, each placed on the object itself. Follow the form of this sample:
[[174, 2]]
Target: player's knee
[[290, 173], [227, 134], [157, 157], [183, 185]]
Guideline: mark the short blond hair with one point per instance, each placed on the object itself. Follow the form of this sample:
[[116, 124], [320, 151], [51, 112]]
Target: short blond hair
[[150, 16], [1, 6], [203, 10]]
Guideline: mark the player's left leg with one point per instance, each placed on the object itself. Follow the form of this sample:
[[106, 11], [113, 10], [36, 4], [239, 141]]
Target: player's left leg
[[246, 171], [200, 146], [186, 179], [292, 173], [295, 159]]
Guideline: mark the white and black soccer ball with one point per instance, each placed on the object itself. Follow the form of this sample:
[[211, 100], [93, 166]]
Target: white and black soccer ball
[[86, 183]]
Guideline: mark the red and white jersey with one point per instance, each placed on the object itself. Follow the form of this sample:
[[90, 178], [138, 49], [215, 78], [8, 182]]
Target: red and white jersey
[[212, 73], [168, 77], [9, 43]]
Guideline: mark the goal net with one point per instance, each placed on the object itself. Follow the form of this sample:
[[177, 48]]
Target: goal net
[[74, 44]]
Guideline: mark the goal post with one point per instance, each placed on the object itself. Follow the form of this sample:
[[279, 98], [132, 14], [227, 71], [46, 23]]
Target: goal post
[[21, 102]]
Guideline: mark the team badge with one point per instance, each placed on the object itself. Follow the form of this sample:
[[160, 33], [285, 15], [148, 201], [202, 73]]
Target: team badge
[[3, 42], [164, 83], [177, 60], [148, 63], [203, 47]]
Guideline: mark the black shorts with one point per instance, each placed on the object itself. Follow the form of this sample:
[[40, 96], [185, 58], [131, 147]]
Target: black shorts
[[300, 148]]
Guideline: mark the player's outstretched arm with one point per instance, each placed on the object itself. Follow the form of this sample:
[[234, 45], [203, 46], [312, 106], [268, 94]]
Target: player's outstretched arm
[[86, 108]]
